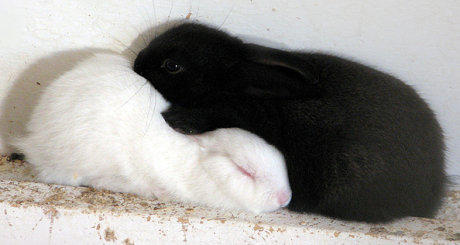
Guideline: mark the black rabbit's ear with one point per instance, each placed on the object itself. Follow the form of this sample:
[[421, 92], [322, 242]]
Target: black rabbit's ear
[[282, 74]]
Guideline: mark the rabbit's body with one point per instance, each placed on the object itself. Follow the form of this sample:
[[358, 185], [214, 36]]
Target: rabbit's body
[[100, 125], [359, 144]]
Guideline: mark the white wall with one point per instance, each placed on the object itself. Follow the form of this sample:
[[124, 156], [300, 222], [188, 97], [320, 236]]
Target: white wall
[[418, 41]]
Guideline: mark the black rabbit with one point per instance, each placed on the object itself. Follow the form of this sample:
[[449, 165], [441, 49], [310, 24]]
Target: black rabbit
[[359, 144]]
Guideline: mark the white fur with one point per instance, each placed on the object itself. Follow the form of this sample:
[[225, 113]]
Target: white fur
[[100, 125]]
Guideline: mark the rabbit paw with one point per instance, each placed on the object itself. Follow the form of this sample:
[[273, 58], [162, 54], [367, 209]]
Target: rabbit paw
[[185, 121]]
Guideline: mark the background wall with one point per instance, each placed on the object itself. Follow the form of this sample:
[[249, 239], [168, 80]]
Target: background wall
[[418, 41]]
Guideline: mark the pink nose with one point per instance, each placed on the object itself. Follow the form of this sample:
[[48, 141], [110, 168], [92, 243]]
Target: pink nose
[[284, 197]]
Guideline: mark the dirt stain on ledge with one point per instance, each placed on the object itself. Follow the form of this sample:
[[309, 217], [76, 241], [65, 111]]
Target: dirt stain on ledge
[[420, 233], [454, 237], [377, 232], [52, 213], [258, 227], [109, 235], [281, 229], [221, 220], [183, 220], [440, 228], [127, 242]]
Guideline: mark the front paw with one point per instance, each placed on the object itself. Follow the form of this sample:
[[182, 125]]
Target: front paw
[[184, 121]]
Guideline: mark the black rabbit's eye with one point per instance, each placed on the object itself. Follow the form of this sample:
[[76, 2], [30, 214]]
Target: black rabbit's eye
[[171, 66]]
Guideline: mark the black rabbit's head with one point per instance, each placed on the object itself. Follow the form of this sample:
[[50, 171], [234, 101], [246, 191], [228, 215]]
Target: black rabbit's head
[[193, 63]]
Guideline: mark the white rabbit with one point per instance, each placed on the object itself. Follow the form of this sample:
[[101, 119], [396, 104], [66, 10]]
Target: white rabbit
[[99, 125]]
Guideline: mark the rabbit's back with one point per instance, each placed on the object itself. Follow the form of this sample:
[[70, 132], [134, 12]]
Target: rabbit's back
[[375, 150]]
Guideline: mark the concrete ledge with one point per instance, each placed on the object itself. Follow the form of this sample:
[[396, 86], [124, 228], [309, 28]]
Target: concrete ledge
[[36, 213]]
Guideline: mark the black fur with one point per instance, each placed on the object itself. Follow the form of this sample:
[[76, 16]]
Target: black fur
[[359, 144], [17, 156]]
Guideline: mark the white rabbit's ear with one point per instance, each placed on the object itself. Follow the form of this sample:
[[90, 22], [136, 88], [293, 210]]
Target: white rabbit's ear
[[277, 65], [198, 140], [194, 138]]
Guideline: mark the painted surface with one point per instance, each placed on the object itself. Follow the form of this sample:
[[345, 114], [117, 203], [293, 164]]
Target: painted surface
[[34, 213], [418, 41]]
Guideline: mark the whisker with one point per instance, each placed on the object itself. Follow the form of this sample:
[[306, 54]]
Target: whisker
[[132, 96], [142, 37], [151, 23], [156, 20], [197, 11], [155, 105], [147, 122], [154, 109], [116, 39], [128, 48], [189, 14], [226, 17], [170, 11]]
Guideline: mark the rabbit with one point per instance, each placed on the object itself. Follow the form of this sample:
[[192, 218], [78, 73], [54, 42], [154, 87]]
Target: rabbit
[[359, 144], [99, 125]]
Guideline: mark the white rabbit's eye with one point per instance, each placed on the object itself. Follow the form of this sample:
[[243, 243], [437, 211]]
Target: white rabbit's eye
[[246, 172], [171, 66]]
